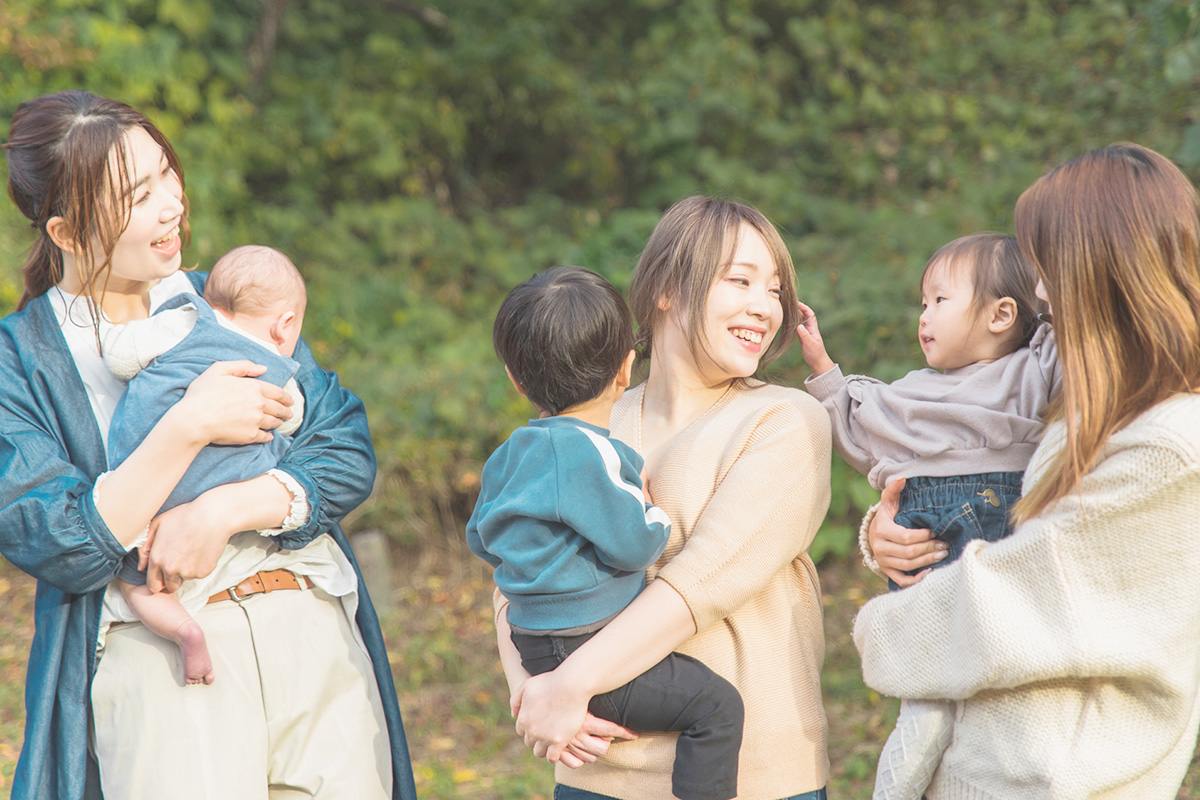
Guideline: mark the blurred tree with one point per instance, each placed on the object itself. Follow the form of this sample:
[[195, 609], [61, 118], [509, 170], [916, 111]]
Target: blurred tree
[[418, 159]]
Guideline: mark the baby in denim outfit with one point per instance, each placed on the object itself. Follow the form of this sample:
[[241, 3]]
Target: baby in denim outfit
[[253, 309], [961, 433]]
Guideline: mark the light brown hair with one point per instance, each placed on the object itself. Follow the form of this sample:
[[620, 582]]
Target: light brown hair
[[255, 279], [1115, 237], [60, 151], [688, 251]]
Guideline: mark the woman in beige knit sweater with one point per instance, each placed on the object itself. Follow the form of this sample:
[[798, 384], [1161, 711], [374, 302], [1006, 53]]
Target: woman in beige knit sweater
[[1073, 646], [742, 469]]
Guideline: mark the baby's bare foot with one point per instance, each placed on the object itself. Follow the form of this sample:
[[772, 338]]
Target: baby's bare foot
[[197, 664]]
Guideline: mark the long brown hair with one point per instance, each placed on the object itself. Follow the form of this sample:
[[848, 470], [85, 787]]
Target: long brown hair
[[59, 150], [687, 253], [1115, 237]]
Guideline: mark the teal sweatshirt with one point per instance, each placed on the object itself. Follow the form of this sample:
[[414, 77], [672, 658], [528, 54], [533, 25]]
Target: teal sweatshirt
[[562, 518]]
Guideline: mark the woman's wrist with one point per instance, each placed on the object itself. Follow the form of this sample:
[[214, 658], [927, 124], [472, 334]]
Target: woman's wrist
[[184, 427], [260, 503]]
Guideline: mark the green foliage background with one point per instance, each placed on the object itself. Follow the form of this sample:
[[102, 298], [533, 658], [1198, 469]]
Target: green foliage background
[[416, 161]]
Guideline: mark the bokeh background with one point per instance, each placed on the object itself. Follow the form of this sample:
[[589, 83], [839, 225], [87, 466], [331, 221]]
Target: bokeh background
[[418, 159]]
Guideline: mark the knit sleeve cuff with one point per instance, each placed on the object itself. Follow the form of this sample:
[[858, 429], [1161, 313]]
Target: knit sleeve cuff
[[864, 541]]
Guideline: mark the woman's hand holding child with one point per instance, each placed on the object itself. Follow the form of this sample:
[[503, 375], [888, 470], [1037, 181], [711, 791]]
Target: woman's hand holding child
[[223, 408], [898, 549]]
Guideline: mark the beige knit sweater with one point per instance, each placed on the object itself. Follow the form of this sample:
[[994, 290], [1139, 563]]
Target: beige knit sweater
[[746, 487], [1073, 646]]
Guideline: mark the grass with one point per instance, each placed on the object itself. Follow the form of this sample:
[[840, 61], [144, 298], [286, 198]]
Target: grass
[[453, 696]]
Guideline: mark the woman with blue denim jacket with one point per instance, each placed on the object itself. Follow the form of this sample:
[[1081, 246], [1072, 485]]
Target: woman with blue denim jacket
[[306, 705]]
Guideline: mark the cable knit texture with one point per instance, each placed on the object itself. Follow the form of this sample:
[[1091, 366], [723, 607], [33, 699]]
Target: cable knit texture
[[1072, 646], [746, 487]]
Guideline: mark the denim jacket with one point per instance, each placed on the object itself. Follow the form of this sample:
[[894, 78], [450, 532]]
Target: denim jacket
[[50, 455]]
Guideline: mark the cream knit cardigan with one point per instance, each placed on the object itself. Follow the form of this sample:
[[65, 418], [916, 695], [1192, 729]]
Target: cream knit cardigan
[[746, 487], [1073, 646]]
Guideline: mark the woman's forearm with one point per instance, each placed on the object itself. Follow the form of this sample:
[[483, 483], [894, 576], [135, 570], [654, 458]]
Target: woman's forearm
[[260, 503], [653, 625], [510, 658], [132, 493]]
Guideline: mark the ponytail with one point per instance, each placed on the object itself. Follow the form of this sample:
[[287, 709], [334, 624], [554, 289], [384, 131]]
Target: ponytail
[[43, 269]]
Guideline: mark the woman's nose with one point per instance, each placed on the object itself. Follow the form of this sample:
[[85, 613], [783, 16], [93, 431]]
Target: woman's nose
[[760, 304], [173, 207]]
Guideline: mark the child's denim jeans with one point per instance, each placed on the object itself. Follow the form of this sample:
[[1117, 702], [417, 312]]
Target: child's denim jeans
[[960, 508]]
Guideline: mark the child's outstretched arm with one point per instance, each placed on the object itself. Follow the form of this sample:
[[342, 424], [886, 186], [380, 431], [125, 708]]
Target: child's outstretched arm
[[812, 346]]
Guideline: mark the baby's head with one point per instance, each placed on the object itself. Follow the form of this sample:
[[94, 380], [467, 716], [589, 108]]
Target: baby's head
[[260, 290], [566, 338], [979, 302]]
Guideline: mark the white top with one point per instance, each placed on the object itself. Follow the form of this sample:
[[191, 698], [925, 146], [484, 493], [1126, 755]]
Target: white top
[[1073, 645], [246, 553]]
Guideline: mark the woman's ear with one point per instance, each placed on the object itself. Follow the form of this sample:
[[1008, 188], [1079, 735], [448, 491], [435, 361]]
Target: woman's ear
[[1003, 315], [59, 231]]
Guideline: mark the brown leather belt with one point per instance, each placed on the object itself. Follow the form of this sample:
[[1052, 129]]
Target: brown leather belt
[[261, 583]]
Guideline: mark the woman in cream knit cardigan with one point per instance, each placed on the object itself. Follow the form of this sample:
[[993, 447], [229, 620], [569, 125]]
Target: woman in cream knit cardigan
[[742, 469], [1073, 647]]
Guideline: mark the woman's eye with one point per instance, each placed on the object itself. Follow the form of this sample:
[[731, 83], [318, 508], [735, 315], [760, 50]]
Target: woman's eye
[[940, 299], [141, 198], [777, 291]]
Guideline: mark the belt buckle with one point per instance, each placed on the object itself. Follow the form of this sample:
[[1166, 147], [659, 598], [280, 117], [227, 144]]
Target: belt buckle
[[234, 596]]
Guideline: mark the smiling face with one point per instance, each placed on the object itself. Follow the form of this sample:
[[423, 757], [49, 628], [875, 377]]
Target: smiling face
[[952, 330], [149, 246], [743, 311]]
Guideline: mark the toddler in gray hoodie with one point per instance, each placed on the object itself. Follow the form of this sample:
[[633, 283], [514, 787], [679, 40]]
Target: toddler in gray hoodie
[[960, 433]]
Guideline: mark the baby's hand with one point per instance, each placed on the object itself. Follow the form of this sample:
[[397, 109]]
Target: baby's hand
[[812, 346]]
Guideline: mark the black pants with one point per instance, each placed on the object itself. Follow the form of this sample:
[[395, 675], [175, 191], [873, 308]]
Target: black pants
[[679, 694]]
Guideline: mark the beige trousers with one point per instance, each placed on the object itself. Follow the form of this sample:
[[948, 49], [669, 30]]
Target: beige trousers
[[294, 711]]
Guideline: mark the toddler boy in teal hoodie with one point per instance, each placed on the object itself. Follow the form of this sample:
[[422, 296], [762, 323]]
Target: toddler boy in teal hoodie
[[562, 517]]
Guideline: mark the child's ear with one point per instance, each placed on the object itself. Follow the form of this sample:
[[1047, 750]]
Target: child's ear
[[513, 380], [625, 373], [1003, 315], [59, 231], [281, 326]]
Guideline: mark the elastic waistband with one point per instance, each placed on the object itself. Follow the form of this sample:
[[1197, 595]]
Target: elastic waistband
[[921, 493]]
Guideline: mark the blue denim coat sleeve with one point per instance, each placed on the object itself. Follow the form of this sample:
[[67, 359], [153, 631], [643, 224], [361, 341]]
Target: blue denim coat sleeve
[[331, 456], [49, 526], [50, 455]]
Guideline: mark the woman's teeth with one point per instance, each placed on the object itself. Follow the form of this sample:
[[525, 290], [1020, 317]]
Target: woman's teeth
[[173, 233], [750, 336]]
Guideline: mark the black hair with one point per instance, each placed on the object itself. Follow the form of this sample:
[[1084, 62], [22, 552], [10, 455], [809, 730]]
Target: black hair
[[563, 334]]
